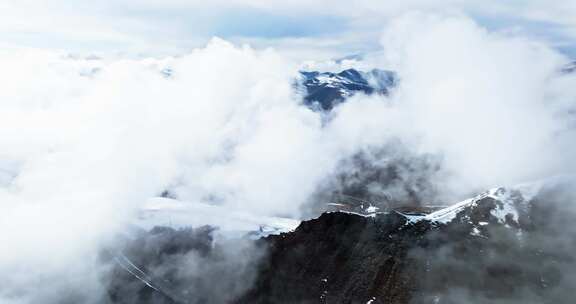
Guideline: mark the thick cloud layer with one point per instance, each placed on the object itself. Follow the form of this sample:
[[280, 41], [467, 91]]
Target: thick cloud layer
[[84, 141], [496, 106]]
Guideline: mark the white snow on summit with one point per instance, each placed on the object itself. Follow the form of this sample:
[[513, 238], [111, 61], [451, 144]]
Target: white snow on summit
[[509, 200]]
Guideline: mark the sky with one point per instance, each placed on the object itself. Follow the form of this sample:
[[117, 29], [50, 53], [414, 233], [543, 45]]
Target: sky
[[313, 29]]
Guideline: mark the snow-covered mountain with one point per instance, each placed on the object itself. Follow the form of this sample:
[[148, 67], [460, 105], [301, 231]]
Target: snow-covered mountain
[[324, 90]]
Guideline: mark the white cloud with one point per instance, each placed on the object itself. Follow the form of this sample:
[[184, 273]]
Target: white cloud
[[175, 26], [489, 102], [83, 151], [84, 142]]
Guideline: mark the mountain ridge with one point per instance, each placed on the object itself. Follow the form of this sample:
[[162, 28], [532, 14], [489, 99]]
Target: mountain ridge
[[325, 90]]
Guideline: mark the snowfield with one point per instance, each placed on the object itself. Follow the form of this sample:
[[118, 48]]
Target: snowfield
[[173, 213]]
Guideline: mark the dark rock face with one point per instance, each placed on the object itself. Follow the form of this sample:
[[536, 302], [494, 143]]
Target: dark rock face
[[337, 258], [499, 247], [482, 255], [325, 90]]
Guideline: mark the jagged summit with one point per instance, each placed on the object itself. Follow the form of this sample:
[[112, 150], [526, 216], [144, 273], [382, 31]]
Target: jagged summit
[[503, 204]]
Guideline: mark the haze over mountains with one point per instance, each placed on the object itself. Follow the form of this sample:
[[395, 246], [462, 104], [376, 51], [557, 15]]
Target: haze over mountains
[[234, 174], [509, 244]]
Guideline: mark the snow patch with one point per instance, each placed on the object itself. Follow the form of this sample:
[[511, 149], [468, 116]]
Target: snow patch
[[508, 202], [372, 209], [447, 214], [177, 214]]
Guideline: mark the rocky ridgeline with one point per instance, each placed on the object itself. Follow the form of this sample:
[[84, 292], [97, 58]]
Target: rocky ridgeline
[[503, 246]]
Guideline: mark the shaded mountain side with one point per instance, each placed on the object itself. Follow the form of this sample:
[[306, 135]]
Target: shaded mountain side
[[338, 258], [502, 246], [492, 249]]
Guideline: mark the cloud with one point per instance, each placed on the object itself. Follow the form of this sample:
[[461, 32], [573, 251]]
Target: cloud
[[85, 141], [165, 27], [488, 100], [493, 106]]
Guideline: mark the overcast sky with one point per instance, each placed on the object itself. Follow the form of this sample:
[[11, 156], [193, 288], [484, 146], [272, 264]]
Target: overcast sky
[[309, 29]]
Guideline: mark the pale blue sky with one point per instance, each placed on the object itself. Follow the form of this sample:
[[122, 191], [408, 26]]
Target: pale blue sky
[[314, 28]]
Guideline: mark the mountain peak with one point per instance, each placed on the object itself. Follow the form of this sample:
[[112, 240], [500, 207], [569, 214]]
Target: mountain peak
[[325, 90]]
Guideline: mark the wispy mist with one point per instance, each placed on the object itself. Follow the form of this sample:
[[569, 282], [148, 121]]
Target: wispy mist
[[85, 141]]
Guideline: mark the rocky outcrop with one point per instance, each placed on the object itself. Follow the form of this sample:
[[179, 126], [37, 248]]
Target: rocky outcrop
[[495, 248], [507, 245]]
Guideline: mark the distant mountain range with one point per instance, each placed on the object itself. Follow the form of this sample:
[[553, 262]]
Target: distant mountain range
[[325, 90]]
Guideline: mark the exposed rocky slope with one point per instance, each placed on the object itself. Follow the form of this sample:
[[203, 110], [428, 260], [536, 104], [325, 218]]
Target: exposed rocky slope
[[500, 247], [503, 246]]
